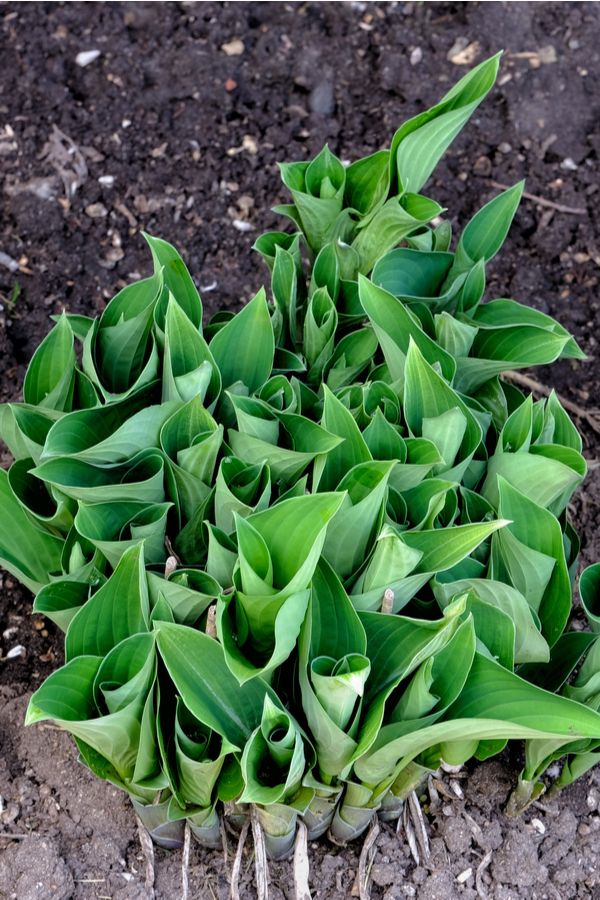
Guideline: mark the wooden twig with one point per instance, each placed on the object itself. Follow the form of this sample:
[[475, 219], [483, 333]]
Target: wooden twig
[[8, 836], [148, 851], [260, 857], [237, 862], [542, 201], [301, 864], [589, 416], [224, 841]]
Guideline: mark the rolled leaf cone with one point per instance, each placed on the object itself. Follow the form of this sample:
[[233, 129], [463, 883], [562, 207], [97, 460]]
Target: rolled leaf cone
[[164, 831], [206, 828], [411, 778], [237, 814], [320, 811], [279, 549], [279, 823], [524, 794], [353, 813]]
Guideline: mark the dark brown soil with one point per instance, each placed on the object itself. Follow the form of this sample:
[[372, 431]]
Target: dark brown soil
[[190, 137]]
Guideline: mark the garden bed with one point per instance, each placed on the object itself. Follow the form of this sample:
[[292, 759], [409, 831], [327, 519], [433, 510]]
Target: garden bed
[[175, 128]]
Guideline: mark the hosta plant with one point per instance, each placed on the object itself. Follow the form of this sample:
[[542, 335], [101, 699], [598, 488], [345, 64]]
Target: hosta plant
[[305, 553]]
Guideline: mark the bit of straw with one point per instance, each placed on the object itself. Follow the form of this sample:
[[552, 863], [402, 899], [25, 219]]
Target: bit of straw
[[367, 855], [185, 863]]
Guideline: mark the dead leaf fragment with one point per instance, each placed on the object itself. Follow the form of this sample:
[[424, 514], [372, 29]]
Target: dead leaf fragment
[[67, 159], [463, 53]]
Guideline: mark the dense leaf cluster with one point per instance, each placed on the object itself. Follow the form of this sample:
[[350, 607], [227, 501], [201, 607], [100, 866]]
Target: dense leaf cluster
[[309, 551]]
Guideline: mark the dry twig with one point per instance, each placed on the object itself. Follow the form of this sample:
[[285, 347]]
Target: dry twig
[[416, 814], [481, 892], [237, 862], [367, 855], [260, 858], [301, 864], [148, 851], [542, 201]]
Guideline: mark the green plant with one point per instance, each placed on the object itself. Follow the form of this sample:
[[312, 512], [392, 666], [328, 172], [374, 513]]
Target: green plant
[[308, 552]]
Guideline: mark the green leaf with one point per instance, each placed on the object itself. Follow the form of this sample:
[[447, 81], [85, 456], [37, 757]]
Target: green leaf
[[529, 645], [397, 218], [177, 280], [351, 449], [494, 704], [317, 189], [395, 327], [49, 379], [589, 589], [111, 434], [244, 348], [332, 631], [115, 526], [357, 522], [428, 396], [413, 274], [418, 144], [101, 701], [213, 695], [367, 182], [189, 368], [531, 544], [141, 478], [119, 353], [117, 610], [60, 600], [27, 550], [487, 230]]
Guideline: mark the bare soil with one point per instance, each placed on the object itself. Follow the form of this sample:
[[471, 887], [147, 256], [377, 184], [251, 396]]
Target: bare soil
[[171, 133]]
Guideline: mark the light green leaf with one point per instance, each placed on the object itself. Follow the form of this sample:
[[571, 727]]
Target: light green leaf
[[244, 348]]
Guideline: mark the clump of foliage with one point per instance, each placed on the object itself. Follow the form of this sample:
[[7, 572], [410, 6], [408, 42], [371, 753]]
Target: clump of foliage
[[305, 553]]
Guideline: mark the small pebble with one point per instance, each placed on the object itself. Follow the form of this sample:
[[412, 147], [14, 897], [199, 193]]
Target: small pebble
[[569, 164], [464, 876], [106, 180], [86, 57], [416, 56], [14, 652], [242, 226], [233, 48], [505, 147], [8, 262], [96, 211], [482, 166], [539, 826], [322, 99], [547, 55]]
